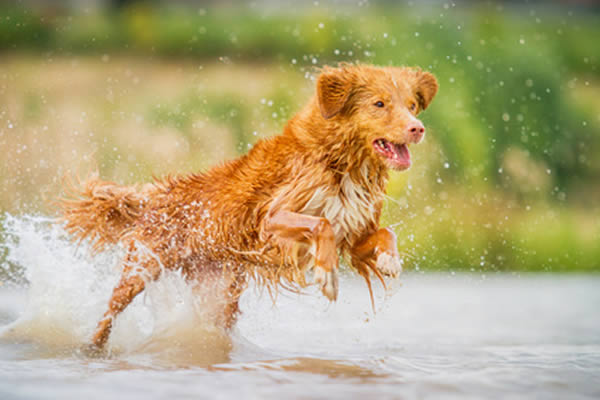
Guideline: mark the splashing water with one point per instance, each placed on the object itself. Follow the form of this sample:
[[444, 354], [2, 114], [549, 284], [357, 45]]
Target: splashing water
[[67, 292], [65, 288], [438, 334]]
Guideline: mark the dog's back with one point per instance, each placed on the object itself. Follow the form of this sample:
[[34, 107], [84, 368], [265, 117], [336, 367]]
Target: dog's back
[[186, 214]]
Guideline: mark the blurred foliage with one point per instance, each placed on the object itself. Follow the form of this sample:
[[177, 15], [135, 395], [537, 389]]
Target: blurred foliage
[[514, 154], [504, 75]]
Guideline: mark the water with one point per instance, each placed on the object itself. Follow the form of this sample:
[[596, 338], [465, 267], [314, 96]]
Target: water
[[435, 335]]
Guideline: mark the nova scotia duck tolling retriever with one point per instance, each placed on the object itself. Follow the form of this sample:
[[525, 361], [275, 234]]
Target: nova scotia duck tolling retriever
[[294, 203]]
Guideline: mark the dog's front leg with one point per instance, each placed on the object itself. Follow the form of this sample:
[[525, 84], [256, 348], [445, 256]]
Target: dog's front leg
[[315, 231], [379, 250]]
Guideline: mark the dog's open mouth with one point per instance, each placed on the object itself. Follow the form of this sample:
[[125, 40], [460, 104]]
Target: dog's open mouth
[[396, 154]]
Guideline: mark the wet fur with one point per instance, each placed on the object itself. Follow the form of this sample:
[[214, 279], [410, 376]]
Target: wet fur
[[251, 217]]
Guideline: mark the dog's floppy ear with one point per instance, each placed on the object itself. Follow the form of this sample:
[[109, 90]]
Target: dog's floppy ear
[[333, 89], [426, 86]]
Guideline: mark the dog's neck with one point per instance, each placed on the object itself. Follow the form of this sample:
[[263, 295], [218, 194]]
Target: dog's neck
[[337, 144]]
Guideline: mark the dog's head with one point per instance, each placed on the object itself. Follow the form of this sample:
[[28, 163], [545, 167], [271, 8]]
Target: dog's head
[[380, 105]]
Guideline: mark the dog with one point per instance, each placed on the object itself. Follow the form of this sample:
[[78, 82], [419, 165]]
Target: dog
[[294, 203]]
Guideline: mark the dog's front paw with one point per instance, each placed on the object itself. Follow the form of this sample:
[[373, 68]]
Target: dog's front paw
[[389, 265], [327, 281]]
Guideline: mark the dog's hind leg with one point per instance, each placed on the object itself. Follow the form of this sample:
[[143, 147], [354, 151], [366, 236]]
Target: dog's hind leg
[[233, 292], [315, 231], [131, 284], [229, 283]]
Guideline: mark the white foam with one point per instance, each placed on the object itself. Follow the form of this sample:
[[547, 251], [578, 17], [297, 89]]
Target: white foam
[[67, 291]]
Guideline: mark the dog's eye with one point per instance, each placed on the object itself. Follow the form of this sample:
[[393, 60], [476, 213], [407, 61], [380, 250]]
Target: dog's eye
[[413, 106], [379, 104]]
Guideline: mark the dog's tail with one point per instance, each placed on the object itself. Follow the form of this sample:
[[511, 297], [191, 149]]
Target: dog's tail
[[101, 211]]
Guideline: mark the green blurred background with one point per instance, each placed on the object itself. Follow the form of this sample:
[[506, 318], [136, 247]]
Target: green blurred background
[[507, 180]]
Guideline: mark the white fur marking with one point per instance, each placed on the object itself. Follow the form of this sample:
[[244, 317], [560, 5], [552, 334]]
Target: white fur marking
[[315, 203], [327, 281], [389, 265], [348, 210]]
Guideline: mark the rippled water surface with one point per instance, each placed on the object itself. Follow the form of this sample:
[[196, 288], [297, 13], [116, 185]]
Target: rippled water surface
[[433, 335]]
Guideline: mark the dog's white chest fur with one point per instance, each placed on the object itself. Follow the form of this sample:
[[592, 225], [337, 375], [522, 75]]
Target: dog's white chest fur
[[349, 207]]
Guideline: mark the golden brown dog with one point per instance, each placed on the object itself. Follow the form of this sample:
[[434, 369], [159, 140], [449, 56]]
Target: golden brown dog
[[292, 203]]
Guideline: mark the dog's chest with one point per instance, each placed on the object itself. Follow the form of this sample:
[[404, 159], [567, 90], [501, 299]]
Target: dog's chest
[[350, 207]]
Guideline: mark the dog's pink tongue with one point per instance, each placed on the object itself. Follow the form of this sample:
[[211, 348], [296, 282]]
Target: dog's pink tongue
[[402, 155]]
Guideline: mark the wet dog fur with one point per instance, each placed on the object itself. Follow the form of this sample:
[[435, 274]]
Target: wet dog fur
[[295, 202]]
